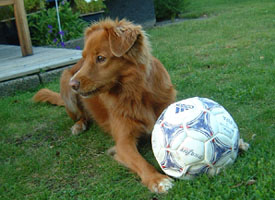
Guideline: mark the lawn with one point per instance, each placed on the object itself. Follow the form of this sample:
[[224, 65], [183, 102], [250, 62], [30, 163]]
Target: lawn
[[228, 57]]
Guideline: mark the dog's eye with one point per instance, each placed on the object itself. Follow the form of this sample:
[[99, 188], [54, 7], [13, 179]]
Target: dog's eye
[[100, 59]]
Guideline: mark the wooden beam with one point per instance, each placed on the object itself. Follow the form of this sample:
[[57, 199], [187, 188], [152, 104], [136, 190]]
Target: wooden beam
[[6, 2], [22, 28], [13, 65]]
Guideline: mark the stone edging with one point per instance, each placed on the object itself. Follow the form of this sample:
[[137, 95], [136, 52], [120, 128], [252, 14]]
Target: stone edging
[[10, 87]]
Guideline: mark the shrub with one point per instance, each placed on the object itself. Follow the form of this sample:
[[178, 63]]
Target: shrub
[[33, 5], [6, 12], [44, 26], [169, 9], [84, 7]]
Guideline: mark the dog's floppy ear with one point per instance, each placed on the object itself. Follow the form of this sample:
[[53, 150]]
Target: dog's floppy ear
[[122, 38]]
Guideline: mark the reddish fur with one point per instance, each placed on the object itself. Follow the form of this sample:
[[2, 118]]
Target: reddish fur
[[134, 89], [46, 95]]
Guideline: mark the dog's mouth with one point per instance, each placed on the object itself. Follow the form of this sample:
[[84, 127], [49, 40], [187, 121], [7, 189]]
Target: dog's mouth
[[90, 93]]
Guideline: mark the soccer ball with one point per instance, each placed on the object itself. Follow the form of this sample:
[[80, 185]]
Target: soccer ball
[[195, 136]]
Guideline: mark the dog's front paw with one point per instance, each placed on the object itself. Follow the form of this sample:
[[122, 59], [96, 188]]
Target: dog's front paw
[[111, 151], [160, 184], [78, 127]]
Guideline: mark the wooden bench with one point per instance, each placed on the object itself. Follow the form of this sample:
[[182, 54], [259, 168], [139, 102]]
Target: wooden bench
[[21, 25]]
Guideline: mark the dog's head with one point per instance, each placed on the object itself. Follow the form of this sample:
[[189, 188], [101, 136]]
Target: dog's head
[[112, 49]]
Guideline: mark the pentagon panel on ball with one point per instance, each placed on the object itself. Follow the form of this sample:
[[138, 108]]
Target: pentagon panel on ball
[[195, 136]]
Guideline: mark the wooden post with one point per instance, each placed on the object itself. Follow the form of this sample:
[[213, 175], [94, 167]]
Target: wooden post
[[6, 2], [22, 28]]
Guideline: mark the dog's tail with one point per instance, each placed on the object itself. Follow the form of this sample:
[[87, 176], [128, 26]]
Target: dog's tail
[[46, 95]]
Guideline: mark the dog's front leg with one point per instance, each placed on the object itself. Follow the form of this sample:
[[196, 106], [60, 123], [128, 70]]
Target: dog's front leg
[[126, 152]]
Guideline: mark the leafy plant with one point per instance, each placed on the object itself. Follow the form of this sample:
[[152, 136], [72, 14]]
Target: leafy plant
[[44, 26], [87, 7], [34, 5], [6, 12], [169, 9]]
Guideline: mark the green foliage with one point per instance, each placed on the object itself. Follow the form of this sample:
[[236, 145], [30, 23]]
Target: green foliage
[[6, 12], [44, 26], [169, 9], [34, 5], [84, 7]]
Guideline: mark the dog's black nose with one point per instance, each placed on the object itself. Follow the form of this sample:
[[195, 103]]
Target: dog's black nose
[[74, 84]]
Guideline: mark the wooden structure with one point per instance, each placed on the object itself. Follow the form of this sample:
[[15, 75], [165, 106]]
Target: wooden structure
[[13, 65], [21, 24]]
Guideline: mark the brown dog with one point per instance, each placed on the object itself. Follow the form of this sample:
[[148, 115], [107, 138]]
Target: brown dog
[[120, 85]]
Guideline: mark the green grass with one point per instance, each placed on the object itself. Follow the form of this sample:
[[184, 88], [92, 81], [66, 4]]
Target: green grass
[[228, 57]]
